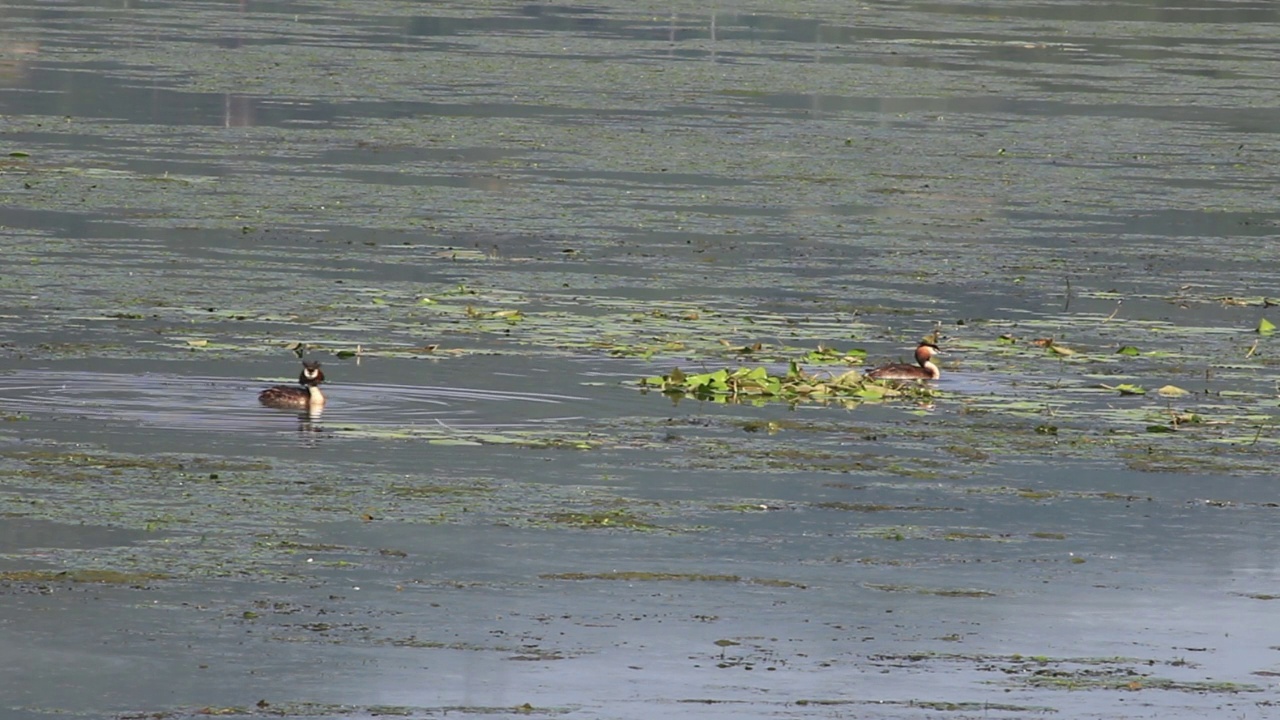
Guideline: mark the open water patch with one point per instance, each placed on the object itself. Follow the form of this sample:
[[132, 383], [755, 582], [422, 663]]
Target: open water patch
[[218, 404]]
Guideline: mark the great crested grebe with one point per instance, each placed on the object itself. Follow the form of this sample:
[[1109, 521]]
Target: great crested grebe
[[300, 398], [928, 370]]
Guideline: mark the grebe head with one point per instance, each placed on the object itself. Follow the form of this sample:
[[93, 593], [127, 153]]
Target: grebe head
[[311, 374], [925, 352]]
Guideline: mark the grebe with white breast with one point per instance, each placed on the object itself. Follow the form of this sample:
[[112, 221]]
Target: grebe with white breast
[[305, 397], [927, 370]]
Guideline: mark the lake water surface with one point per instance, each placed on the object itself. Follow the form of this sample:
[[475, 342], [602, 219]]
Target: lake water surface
[[490, 220]]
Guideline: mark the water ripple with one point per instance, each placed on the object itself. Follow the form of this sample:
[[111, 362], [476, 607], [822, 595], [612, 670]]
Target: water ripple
[[231, 405]]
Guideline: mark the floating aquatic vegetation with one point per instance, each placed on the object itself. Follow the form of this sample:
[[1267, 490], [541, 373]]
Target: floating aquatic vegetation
[[639, 576], [826, 355], [616, 519], [758, 384], [440, 434], [103, 577], [1053, 347], [643, 576], [1257, 301], [940, 592], [1074, 673], [1126, 389]]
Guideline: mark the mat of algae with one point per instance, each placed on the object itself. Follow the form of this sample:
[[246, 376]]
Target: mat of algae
[[491, 221]]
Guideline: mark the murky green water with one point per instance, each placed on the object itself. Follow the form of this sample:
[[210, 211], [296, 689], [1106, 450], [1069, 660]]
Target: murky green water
[[490, 221]]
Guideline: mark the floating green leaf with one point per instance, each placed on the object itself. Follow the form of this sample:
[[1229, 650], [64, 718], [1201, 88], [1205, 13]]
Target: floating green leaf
[[1127, 350], [1265, 327]]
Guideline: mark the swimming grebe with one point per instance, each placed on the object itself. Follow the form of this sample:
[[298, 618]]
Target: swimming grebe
[[901, 371], [301, 398]]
